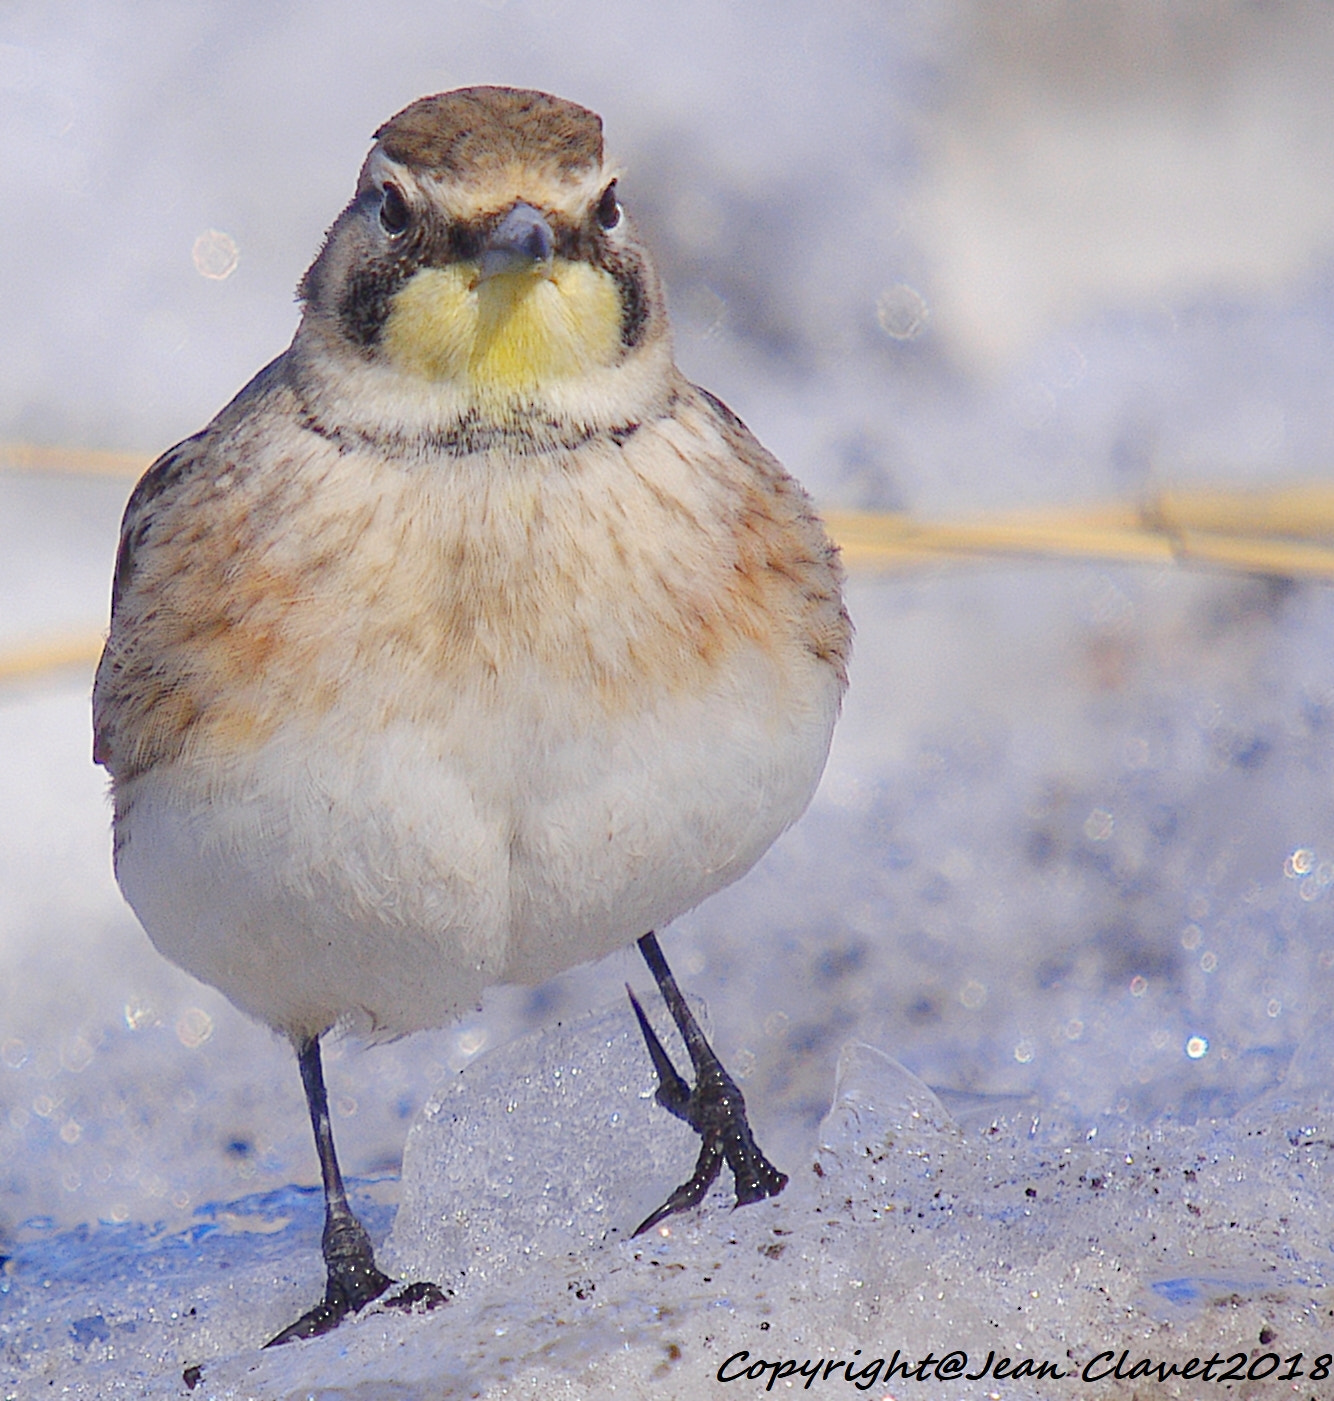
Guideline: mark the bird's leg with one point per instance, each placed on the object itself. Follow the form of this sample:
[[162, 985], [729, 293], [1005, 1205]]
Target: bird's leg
[[354, 1278], [714, 1107]]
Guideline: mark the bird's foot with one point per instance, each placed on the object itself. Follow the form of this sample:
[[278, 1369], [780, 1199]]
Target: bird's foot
[[339, 1301], [715, 1109], [354, 1281]]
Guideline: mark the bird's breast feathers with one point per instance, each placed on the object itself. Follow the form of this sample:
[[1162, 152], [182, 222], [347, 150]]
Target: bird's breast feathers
[[574, 585]]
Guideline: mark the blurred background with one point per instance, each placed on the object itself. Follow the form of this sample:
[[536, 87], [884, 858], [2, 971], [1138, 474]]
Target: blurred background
[[1075, 844]]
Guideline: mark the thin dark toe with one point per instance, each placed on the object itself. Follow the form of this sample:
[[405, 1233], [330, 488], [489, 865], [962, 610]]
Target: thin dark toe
[[688, 1194], [352, 1288], [673, 1092], [423, 1292], [323, 1318], [755, 1176], [759, 1179]]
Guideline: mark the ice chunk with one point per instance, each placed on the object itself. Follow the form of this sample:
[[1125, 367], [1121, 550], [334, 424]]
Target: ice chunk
[[550, 1143]]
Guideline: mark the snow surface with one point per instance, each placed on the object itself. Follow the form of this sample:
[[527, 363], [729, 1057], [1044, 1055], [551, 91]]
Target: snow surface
[[1071, 864]]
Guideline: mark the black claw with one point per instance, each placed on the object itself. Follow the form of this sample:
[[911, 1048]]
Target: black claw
[[714, 1107], [323, 1318], [707, 1167]]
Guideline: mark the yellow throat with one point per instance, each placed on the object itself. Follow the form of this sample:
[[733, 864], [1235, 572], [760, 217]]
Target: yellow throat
[[512, 332]]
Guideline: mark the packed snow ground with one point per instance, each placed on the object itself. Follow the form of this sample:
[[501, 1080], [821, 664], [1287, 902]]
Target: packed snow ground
[[1032, 1005]]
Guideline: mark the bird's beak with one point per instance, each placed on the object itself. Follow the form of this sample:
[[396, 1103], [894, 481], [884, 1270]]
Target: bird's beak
[[521, 242]]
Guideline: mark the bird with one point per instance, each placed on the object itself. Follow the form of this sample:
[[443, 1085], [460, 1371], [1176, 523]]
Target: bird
[[470, 641]]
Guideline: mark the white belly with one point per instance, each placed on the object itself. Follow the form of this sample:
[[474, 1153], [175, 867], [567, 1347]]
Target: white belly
[[386, 877]]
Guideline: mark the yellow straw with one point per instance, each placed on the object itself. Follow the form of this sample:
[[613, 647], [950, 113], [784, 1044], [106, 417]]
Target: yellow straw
[[1287, 531], [49, 654], [88, 462]]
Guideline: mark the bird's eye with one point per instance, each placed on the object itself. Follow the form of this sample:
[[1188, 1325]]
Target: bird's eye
[[609, 208], [394, 213]]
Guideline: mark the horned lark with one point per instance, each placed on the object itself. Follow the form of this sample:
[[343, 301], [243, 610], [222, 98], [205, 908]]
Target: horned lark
[[469, 641]]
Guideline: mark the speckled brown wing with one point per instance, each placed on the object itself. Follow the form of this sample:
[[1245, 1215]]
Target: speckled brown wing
[[120, 658], [141, 709], [778, 513]]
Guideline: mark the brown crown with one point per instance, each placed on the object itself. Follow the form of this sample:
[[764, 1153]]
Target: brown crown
[[474, 129]]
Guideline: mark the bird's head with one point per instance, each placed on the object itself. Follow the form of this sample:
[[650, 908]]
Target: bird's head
[[486, 260]]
